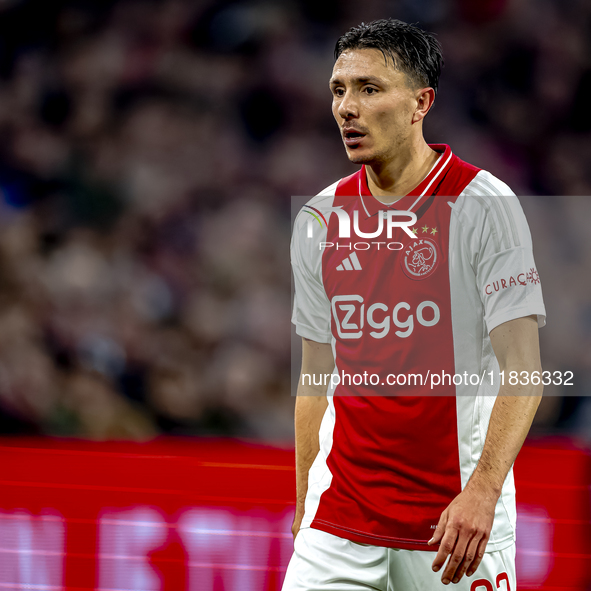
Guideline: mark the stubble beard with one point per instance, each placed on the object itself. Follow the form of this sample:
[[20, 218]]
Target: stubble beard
[[367, 159]]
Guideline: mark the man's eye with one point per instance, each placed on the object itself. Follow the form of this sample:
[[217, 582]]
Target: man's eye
[[338, 92], [370, 90]]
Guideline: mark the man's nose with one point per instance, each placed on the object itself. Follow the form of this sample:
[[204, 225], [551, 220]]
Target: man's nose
[[348, 107]]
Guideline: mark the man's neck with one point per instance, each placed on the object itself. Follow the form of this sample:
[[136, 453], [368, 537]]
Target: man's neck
[[392, 181]]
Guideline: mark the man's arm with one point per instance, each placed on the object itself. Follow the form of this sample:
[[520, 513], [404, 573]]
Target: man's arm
[[311, 402], [464, 527]]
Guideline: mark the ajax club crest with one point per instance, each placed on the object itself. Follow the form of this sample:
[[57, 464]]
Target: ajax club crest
[[420, 258]]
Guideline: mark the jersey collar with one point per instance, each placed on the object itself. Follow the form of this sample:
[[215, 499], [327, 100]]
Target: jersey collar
[[413, 200]]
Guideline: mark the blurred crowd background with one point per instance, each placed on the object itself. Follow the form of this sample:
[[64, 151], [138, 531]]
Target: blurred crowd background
[[148, 153]]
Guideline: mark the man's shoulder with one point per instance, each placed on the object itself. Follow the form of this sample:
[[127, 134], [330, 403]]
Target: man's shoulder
[[485, 184], [315, 208], [465, 179], [484, 192], [317, 205], [487, 205]]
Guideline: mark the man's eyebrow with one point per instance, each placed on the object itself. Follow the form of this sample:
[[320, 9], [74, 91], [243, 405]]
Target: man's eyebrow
[[359, 80]]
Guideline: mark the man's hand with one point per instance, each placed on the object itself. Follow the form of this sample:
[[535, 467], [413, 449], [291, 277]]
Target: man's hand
[[463, 532]]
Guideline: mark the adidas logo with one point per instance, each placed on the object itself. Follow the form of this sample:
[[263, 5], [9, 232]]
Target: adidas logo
[[350, 263]]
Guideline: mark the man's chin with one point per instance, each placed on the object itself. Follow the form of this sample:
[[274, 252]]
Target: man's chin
[[360, 157]]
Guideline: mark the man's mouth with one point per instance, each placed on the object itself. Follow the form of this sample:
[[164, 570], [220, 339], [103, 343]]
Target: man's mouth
[[352, 137]]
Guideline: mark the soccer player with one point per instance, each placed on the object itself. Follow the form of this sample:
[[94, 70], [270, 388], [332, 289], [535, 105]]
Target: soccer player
[[404, 471]]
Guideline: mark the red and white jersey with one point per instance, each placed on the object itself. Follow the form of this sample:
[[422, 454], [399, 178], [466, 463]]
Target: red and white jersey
[[391, 304]]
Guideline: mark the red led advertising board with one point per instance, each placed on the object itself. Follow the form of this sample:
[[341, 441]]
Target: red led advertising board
[[195, 514]]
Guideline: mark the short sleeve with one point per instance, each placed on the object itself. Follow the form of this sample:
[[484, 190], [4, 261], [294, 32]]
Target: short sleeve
[[311, 309], [506, 273]]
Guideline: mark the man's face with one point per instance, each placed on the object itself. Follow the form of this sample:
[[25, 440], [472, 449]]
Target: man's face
[[373, 105]]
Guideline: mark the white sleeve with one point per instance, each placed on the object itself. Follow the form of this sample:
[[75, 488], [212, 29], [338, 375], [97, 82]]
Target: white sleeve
[[502, 255], [311, 309]]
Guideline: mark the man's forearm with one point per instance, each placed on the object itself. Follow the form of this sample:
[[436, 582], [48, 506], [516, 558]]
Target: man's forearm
[[464, 527], [311, 403], [510, 421], [309, 411], [516, 347]]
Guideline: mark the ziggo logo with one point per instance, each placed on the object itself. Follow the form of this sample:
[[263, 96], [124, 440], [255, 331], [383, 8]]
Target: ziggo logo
[[349, 314]]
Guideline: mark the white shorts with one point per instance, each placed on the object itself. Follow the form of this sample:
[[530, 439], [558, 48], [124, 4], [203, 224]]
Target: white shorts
[[323, 562]]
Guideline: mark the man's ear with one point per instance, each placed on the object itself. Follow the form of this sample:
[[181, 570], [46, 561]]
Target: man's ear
[[425, 98]]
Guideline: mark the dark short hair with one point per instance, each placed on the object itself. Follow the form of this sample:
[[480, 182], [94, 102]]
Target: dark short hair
[[411, 50]]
